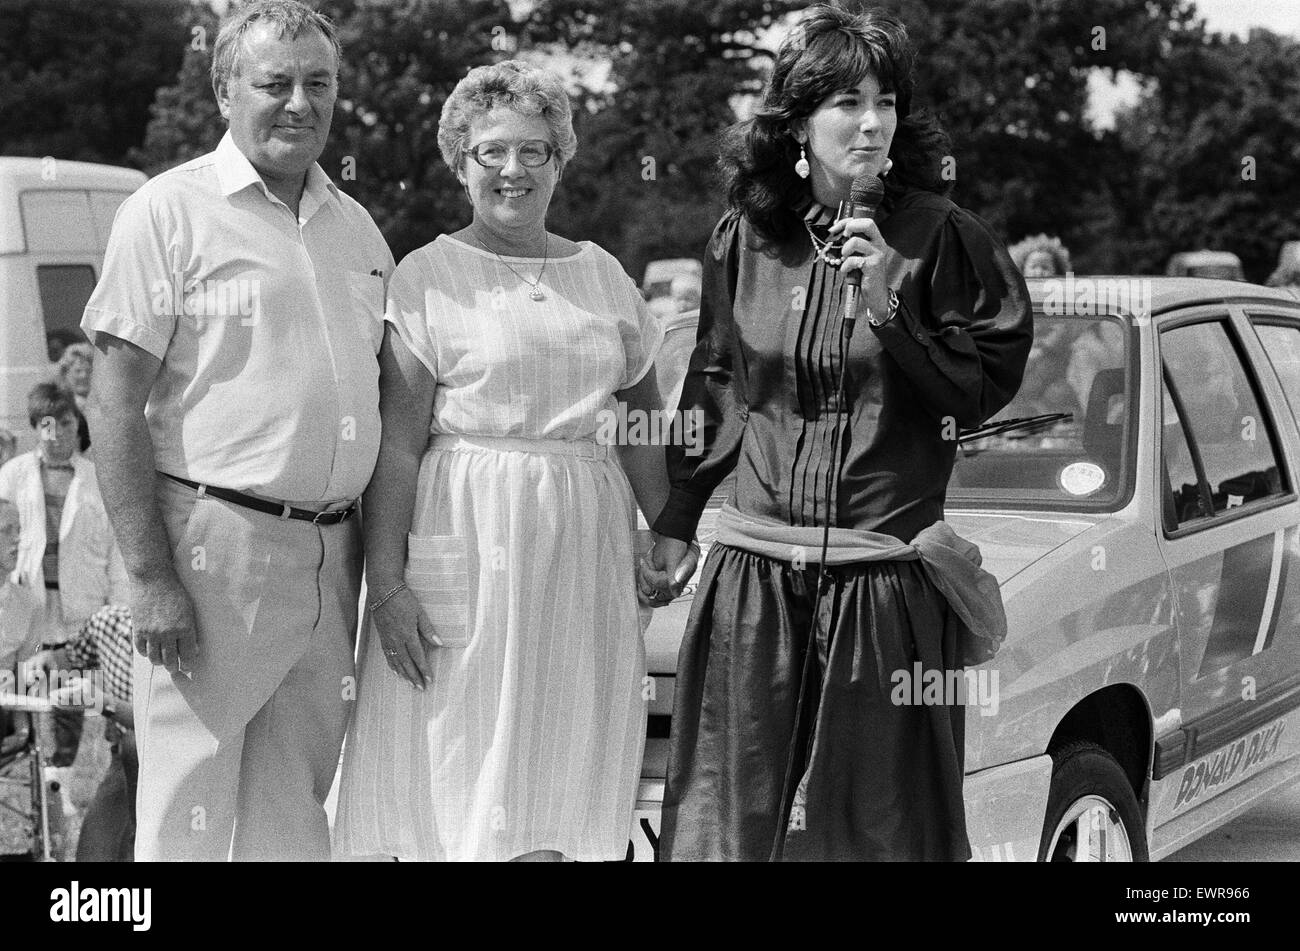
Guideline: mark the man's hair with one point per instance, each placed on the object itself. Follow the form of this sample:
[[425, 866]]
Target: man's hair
[[290, 16], [49, 399]]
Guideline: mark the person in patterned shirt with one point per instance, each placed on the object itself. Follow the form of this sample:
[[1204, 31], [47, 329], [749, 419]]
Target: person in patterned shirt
[[102, 652]]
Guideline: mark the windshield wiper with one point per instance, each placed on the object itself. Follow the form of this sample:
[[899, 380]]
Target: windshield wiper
[[999, 426]]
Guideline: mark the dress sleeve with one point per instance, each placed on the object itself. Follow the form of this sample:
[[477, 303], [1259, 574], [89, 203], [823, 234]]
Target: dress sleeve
[[965, 354], [642, 334], [135, 299], [710, 417], [407, 311]]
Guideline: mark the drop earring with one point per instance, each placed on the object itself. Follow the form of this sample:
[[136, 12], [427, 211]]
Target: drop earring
[[801, 167]]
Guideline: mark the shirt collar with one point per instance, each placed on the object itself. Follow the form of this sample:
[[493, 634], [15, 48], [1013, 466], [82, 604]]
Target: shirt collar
[[235, 173], [815, 213], [818, 215]]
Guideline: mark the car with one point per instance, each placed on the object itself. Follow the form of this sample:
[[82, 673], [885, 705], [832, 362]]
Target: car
[[1211, 264], [1137, 502]]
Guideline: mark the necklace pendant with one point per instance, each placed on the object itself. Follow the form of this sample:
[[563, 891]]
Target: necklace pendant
[[536, 293]]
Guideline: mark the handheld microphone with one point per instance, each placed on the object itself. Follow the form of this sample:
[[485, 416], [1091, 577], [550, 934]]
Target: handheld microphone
[[865, 196]]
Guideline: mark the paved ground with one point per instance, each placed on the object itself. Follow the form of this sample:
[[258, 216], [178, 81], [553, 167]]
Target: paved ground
[[1270, 832]]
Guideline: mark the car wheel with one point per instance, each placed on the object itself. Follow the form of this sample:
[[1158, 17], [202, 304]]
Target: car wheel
[[1092, 814]]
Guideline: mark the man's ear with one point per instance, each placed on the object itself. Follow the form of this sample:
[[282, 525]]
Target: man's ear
[[220, 89]]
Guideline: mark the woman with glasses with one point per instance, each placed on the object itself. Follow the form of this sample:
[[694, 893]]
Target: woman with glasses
[[500, 710]]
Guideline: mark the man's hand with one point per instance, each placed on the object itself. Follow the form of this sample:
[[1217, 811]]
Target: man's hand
[[165, 629], [663, 573]]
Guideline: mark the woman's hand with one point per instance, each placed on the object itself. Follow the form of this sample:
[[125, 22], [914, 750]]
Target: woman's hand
[[405, 633], [663, 573], [864, 249]]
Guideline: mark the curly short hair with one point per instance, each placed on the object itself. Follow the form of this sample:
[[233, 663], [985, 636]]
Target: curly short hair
[[828, 50], [290, 16], [73, 352], [513, 84], [1051, 246]]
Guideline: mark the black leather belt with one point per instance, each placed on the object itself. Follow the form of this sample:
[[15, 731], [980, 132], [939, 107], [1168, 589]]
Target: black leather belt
[[283, 510]]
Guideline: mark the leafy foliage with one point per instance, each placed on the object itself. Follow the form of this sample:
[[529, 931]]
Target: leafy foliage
[[76, 78]]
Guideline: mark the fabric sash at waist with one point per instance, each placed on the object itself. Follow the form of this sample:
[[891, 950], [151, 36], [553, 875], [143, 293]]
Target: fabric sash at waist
[[952, 563], [458, 442]]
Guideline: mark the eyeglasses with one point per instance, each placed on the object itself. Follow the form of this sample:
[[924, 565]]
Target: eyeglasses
[[532, 153]]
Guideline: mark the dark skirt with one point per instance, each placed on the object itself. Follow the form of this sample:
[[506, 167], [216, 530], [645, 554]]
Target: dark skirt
[[872, 779]]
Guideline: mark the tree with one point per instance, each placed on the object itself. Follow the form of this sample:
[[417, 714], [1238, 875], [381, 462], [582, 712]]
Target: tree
[[401, 59], [1215, 148], [184, 119], [643, 182], [78, 77], [1009, 81]]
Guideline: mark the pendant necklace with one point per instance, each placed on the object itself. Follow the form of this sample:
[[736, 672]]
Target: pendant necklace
[[824, 249], [536, 292]]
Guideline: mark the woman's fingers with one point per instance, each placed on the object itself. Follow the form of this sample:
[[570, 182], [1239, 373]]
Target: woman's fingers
[[426, 630]]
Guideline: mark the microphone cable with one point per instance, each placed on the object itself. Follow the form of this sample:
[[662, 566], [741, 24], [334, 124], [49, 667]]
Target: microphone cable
[[832, 491]]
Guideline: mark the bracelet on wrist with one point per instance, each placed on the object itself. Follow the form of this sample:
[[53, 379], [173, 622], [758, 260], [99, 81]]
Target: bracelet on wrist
[[890, 311], [381, 601]]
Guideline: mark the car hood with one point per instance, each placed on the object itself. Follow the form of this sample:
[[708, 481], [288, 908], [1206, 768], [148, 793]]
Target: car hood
[[1008, 541], [1012, 541]]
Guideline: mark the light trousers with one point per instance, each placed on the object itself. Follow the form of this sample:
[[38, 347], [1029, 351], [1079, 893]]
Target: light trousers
[[236, 760]]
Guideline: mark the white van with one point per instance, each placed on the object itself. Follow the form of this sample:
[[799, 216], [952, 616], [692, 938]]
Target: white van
[[54, 222]]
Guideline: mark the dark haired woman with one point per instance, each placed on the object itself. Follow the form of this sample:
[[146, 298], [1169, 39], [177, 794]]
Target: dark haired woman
[[787, 742]]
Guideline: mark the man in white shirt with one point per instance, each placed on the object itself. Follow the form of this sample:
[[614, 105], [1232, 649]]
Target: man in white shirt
[[236, 421]]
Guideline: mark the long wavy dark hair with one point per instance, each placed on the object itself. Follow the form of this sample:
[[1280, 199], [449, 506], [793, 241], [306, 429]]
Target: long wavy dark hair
[[829, 50]]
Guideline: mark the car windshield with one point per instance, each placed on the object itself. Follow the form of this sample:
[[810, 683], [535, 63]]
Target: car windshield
[[1063, 442]]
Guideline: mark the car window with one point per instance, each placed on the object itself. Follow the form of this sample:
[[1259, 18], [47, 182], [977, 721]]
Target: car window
[[1078, 372], [1282, 344], [1217, 449]]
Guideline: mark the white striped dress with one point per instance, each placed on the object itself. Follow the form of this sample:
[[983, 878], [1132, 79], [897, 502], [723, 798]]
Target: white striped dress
[[531, 734]]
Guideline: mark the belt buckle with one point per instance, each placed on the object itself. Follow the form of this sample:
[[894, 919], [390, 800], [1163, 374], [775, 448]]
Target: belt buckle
[[338, 515]]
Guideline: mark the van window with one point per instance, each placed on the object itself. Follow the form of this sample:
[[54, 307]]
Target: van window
[[58, 220], [64, 290]]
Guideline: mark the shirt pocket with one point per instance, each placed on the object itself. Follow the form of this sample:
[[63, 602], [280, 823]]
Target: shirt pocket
[[366, 293], [437, 573]]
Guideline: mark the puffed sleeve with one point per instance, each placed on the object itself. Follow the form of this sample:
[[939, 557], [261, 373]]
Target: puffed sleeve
[[407, 308], [642, 334], [135, 299], [965, 353], [711, 408]]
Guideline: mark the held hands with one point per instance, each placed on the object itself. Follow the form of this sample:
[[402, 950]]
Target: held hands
[[165, 628], [863, 249], [663, 573], [405, 633]]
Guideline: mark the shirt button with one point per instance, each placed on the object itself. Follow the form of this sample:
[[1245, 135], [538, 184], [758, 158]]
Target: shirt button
[[920, 336]]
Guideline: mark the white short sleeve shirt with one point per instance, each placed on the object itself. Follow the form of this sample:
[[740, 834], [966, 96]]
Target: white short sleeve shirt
[[268, 327]]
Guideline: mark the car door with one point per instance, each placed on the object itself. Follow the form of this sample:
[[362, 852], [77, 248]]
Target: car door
[[1230, 540]]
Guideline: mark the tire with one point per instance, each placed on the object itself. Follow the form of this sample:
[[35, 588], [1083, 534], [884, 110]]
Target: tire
[[1090, 796]]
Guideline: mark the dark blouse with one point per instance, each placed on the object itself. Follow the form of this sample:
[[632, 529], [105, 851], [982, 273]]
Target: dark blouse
[[765, 368]]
